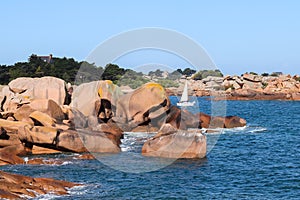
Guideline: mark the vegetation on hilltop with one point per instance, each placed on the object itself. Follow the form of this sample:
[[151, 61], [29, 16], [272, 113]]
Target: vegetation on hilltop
[[76, 72], [205, 73]]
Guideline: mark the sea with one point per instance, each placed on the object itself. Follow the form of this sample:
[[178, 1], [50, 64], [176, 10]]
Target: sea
[[258, 161]]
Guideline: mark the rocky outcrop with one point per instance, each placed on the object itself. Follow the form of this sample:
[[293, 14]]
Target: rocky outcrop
[[43, 126], [207, 121], [248, 86], [70, 140], [22, 90], [14, 186], [142, 105], [104, 94], [95, 121], [46, 106], [173, 143]]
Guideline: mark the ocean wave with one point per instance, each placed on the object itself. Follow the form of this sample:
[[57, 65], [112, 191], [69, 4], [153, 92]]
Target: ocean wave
[[47, 196], [79, 190], [258, 130], [244, 129]]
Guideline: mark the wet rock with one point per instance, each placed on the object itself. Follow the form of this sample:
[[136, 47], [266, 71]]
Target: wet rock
[[296, 96], [14, 186], [145, 129], [234, 121], [86, 156], [37, 150], [97, 142], [10, 155], [40, 161], [208, 121]]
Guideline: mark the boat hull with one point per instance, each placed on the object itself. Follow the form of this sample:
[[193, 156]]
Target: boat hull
[[185, 104]]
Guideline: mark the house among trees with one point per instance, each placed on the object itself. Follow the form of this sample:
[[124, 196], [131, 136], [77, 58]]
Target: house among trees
[[47, 59]]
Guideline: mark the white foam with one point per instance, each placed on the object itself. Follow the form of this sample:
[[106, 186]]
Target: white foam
[[47, 196], [67, 163], [258, 130], [78, 190]]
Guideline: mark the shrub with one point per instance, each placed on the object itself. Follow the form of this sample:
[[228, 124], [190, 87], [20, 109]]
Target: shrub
[[265, 74], [253, 73], [205, 73], [274, 74]]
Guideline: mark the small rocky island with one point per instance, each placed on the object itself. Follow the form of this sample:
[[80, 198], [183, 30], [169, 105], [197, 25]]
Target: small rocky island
[[35, 119]]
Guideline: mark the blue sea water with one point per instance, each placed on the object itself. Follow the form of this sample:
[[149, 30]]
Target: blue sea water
[[260, 161]]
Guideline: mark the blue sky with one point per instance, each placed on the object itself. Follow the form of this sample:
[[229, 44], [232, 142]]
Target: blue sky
[[240, 36]]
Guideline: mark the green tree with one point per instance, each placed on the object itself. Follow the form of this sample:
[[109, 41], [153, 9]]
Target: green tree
[[188, 71], [112, 72], [205, 73]]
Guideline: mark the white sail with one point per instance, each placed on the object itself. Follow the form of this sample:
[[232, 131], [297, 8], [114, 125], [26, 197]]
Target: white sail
[[184, 96], [184, 101]]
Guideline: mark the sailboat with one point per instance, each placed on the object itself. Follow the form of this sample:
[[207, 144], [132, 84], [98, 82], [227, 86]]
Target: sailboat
[[184, 101]]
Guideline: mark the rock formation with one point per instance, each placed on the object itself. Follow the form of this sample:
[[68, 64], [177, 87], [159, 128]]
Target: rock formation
[[15, 186], [96, 118], [246, 87], [173, 143]]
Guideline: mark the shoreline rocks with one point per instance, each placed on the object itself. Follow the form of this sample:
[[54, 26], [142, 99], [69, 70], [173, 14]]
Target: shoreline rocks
[[173, 143], [98, 120], [245, 87], [15, 186]]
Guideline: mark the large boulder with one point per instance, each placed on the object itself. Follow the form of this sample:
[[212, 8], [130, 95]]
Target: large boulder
[[252, 77], [172, 143], [42, 118], [46, 106], [181, 118], [295, 96], [85, 140], [234, 121], [109, 128], [9, 155], [207, 121], [8, 139], [39, 135], [87, 94], [23, 90], [69, 140], [12, 126], [145, 103]]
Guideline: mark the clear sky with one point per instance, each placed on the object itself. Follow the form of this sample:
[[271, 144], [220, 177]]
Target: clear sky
[[240, 36]]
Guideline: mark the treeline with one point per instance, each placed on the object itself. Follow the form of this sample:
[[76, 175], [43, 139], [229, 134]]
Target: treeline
[[76, 72]]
